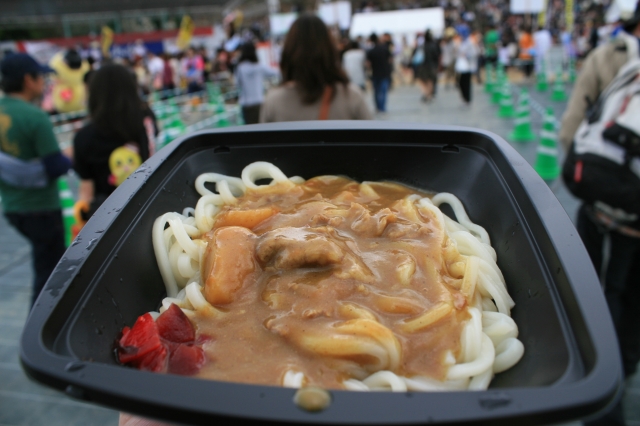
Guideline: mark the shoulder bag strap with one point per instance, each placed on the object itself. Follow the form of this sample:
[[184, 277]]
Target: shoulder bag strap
[[326, 103]]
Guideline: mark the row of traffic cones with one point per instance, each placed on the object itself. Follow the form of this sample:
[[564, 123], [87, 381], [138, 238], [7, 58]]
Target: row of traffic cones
[[546, 164], [559, 94], [499, 89], [171, 119]]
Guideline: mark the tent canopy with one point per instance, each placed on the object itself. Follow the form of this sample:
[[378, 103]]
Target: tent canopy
[[399, 22]]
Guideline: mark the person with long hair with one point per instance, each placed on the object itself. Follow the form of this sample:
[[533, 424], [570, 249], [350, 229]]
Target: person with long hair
[[428, 70], [250, 77], [114, 142], [314, 85]]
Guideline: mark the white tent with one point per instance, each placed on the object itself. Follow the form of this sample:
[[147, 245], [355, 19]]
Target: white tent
[[398, 22], [526, 6], [336, 13]]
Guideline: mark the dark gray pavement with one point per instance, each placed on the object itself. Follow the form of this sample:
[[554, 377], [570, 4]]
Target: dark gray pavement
[[23, 402]]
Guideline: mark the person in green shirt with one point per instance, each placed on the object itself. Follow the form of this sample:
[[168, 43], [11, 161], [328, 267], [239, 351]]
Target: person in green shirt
[[30, 163], [491, 38]]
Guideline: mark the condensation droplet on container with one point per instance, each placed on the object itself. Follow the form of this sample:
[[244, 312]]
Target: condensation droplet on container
[[92, 242], [74, 366], [496, 400], [312, 399]]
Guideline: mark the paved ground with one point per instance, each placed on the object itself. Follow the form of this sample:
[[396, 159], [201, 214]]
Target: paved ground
[[23, 402]]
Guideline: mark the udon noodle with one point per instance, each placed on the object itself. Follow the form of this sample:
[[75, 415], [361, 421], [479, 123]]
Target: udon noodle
[[444, 289]]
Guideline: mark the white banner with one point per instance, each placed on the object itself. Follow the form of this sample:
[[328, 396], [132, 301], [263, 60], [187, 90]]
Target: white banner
[[281, 22], [210, 43], [8, 46], [42, 51], [337, 13], [399, 22], [526, 6]]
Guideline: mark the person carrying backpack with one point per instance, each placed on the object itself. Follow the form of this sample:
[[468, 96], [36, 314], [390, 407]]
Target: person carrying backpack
[[601, 130]]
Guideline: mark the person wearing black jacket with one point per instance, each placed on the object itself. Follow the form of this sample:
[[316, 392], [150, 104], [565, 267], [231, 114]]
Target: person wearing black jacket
[[427, 72], [114, 142], [380, 62]]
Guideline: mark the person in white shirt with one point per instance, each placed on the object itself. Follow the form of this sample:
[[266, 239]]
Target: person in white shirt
[[250, 77], [466, 62], [155, 65], [353, 62], [542, 41]]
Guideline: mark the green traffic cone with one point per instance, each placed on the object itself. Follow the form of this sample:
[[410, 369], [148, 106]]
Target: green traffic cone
[[541, 83], [213, 88], [66, 204], [213, 92], [572, 71], [489, 82], [547, 164], [162, 112], [174, 128], [223, 119], [176, 123], [496, 95], [522, 131], [558, 94], [506, 103], [164, 138]]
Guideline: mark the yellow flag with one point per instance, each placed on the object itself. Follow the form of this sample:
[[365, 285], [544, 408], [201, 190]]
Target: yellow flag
[[542, 16], [568, 12], [185, 33], [106, 40], [237, 22]]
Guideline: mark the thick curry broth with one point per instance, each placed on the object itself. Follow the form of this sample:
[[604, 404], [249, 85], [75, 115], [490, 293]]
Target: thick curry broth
[[294, 292]]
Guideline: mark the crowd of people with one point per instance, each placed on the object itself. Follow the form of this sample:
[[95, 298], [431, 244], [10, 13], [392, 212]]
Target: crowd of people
[[475, 34]]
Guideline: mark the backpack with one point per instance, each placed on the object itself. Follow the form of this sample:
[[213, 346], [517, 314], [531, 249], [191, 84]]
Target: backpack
[[603, 164]]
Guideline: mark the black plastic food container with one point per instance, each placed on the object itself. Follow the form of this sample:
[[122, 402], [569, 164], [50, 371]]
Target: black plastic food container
[[109, 277]]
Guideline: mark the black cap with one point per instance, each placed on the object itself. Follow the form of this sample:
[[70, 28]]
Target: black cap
[[73, 59], [15, 66]]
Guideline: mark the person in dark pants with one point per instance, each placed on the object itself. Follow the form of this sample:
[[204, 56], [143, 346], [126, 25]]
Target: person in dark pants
[[30, 163], [466, 62], [45, 232], [621, 274], [464, 82], [621, 270], [380, 62]]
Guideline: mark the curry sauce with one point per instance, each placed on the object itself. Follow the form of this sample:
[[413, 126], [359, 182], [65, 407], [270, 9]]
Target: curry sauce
[[330, 278]]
